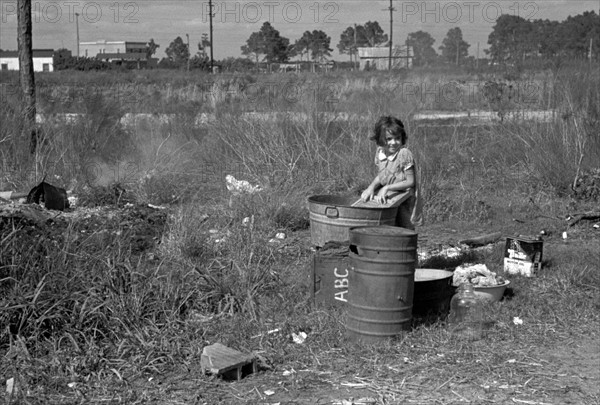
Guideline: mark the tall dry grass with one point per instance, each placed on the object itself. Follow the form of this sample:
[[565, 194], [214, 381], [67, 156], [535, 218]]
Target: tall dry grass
[[97, 309]]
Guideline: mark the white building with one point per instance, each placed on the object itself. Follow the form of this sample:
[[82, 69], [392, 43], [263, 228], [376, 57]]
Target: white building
[[378, 58], [42, 60], [95, 49], [126, 53]]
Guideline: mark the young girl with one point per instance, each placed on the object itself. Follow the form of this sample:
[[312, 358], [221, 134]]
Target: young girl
[[396, 171]]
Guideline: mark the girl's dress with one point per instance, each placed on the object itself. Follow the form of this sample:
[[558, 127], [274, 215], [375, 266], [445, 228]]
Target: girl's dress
[[393, 169]]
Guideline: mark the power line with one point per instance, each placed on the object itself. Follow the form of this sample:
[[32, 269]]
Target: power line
[[392, 9], [211, 35]]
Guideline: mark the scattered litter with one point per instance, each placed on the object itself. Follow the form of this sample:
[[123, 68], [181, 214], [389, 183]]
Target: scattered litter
[[365, 401], [353, 385], [157, 207], [299, 338], [73, 201], [10, 386], [597, 226], [523, 401], [266, 333], [511, 361], [280, 235], [289, 372], [72, 385], [241, 186], [128, 205], [360, 401], [442, 251], [452, 252], [564, 235], [218, 236], [248, 221], [196, 316], [517, 321], [269, 393]]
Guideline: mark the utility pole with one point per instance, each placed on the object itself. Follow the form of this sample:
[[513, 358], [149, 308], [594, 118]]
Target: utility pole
[[477, 62], [457, 44], [77, 29], [189, 53], [392, 9], [211, 35], [355, 49], [590, 54], [407, 53]]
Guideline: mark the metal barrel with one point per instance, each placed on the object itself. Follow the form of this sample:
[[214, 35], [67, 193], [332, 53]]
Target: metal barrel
[[331, 218], [381, 282]]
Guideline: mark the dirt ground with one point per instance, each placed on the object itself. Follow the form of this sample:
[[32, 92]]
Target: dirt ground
[[570, 367], [577, 365]]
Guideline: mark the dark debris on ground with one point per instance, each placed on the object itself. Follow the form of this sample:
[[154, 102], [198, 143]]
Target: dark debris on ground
[[143, 225]]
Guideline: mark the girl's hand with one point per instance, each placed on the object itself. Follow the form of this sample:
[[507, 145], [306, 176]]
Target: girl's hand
[[381, 195], [367, 195]]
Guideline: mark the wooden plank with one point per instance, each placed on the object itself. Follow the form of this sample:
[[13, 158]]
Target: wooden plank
[[482, 240]]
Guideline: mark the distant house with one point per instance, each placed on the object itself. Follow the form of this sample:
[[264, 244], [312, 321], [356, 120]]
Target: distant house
[[378, 58], [42, 60], [120, 52], [289, 67]]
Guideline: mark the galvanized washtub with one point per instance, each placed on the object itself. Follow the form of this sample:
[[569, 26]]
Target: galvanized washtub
[[331, 217]]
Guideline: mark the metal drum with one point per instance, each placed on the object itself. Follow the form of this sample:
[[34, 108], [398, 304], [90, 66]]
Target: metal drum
[[381, 282], [331, 217], [433, 292]]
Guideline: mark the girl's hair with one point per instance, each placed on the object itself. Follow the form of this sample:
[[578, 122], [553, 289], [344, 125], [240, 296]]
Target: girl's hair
[[388, 124]]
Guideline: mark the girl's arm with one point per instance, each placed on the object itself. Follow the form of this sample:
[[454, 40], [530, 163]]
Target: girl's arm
[[398, 186], [370, 191]]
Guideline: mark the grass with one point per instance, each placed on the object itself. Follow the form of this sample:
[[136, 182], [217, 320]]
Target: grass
[[114, 302]]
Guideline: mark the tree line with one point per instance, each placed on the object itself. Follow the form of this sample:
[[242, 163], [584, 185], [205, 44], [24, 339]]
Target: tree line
[[512, 41]]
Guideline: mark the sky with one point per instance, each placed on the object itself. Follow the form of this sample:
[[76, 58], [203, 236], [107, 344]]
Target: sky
[[55, 22]]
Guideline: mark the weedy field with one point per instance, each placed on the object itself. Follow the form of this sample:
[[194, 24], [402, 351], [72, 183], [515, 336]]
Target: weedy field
[[114, 300]]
